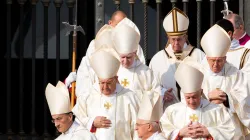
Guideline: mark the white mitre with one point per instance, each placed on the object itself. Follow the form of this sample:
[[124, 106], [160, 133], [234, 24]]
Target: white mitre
[[176, 22], [125, 39], [215, 42], [58, 98], [189, 78], [130, 23], [104, 42], [104, 28], [104, 64], [150, 109]]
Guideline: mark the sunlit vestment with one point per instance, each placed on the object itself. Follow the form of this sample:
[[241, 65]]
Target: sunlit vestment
[[121, 108], [138, 78], [239, 57], [164, 65], [76, 132], [234, 83], [217, 120]]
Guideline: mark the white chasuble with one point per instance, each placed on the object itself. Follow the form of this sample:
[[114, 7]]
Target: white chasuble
[[234, 83], [240, 58], [76, 132], [107, 109], [164, 65], [215, 118], [121, 108], [85, 78], [139, 78]]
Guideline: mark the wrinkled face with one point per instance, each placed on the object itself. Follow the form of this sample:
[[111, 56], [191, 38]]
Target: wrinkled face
[[193, 100], [62, 121], [237, 31], [127, 59], [142, 128], [177, 43], [108, 86], [216, 63]]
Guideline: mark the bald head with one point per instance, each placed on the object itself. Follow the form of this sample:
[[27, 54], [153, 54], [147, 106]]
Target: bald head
[[116, 18]]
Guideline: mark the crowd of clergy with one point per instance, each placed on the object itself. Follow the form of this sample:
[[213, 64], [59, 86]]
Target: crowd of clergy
[[185, 93]]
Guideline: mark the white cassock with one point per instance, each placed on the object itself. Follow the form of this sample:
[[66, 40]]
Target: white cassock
[[239, 57], [215, 118], [138, 78], [234, 83], [164, 65], [157, 136], [76, 132], [121, 108], [85, 77]]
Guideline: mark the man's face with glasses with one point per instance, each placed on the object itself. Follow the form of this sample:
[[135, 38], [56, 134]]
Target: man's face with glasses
[[62, 121], [108, 86]]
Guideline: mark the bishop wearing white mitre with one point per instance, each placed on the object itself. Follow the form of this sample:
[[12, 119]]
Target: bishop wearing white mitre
[[198, 118], [109, 110], [165, 62], [223, 83], [133, 74], [59, 106]]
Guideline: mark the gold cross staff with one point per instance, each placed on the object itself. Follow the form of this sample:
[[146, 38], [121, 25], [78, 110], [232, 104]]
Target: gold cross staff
[[125, 83], [193, 118], [107, 105]]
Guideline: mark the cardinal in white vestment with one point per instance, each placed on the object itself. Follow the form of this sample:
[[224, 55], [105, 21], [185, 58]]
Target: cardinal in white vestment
[[133, 74], [237, 55], [165, 62], [223, 83], [59, 105], [85, 74], [109, 110], [197, 119], [147, 124]]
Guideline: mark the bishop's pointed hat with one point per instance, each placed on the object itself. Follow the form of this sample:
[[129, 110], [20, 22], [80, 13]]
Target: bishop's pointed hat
[[189, 78], [150, 109], [57, 98], [125, 39], [215, 42], [176, 22], [104, 64]]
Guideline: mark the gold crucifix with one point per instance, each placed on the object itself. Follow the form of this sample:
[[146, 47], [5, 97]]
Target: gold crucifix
[[193, 118], [125, 83], [107, 105]]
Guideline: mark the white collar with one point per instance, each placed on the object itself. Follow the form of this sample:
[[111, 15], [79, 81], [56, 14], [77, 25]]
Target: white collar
[[152, 137], [235, 44], [72, 128], [243, 35]]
